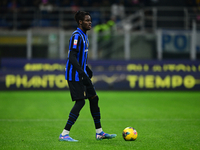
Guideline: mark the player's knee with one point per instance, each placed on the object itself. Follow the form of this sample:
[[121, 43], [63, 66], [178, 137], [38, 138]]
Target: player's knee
[[80, 103], [94, 100]]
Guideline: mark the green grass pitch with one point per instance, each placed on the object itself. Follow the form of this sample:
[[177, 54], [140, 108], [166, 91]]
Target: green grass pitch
[[33, 120]]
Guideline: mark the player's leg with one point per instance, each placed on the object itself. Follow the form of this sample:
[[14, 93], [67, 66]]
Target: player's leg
[[77, 93], [73, 116], [95, 112], [74, 113]]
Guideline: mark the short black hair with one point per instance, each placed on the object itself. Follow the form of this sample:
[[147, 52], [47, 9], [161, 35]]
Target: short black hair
[[80, 15]]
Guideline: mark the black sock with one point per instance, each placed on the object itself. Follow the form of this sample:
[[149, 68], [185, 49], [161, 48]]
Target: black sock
[[73, 115], [95, 111]]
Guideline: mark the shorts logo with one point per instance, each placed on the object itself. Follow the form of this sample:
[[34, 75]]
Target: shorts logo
[[75, 42]]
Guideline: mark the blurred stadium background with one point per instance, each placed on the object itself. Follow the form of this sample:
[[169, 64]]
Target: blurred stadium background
[[139, 49], [134, 44]]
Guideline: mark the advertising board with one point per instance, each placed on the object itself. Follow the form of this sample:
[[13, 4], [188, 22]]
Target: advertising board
[[42, 74]]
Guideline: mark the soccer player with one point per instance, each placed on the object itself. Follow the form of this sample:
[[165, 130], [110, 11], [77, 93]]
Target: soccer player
[[79, 75]]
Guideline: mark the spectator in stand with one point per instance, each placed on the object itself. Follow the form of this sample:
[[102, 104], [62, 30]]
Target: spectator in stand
[[13, 5], [45, 6], [117, 11], [75, 5], [12, 9], [96, 15], [198, 11]]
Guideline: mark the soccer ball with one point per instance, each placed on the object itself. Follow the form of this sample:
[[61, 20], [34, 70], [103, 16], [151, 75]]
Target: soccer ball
[[129, 134]]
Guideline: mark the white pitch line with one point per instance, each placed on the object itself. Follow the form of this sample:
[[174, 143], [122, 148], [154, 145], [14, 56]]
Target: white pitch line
[[54, 120]]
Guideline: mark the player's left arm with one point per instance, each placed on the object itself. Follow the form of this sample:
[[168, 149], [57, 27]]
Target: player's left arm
[[89, 71]]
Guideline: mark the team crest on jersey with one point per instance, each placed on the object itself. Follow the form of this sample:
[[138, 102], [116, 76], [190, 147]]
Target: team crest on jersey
[[75, 42]]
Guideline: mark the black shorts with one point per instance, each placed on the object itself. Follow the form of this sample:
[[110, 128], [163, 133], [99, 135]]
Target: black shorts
[[79, 91]]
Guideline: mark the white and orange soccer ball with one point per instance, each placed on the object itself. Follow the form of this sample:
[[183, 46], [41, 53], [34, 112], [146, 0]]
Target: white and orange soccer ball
[[129, 134]]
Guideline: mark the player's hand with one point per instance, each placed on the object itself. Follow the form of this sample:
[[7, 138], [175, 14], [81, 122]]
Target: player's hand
[[86, 80], [89, 72]]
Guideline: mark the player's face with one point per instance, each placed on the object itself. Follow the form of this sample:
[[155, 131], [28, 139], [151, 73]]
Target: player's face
[[87, 23]]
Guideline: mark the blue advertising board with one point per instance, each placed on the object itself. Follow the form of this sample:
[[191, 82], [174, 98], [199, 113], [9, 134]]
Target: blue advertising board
[[179, 41], [42, 74]]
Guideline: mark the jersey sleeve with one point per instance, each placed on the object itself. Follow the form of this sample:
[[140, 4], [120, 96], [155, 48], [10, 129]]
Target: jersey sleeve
[[74, 42], [74, 62]]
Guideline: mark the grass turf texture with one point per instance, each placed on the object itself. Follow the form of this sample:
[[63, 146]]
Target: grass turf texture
[[164, 120]]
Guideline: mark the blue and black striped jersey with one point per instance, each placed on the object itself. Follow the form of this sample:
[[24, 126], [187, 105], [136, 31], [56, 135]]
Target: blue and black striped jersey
[[78, 42]]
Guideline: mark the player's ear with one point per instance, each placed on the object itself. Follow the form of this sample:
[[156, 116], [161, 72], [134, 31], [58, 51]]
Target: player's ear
[[80, 22]]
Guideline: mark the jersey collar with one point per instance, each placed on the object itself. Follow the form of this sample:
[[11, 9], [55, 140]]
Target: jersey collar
[[81, 31]]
